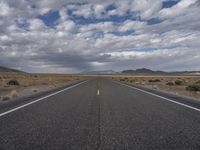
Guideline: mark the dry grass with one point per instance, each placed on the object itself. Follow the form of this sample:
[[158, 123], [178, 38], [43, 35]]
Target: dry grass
[[5, 98], [13, 94]]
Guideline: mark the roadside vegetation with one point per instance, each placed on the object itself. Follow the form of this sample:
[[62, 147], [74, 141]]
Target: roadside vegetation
[[193, 87], [154, 80], [14, 84], [183, 85], [170, 83], [179, 82]]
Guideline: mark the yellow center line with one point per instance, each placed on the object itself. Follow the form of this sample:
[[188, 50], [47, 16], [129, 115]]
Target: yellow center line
[[98, 92]]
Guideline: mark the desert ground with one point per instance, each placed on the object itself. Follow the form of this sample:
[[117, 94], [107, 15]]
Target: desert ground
[[181, 85], [17, 84]]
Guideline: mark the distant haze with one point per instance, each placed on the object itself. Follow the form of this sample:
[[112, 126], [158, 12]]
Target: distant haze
[[66, 36]]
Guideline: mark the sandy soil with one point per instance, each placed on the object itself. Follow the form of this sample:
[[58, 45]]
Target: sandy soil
[[162, 83], [30, 84]]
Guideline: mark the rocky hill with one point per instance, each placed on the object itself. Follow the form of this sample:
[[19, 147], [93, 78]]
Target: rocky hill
[[5, 69]]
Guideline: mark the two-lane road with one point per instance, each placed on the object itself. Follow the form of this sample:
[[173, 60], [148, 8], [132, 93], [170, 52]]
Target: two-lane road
[[100, 114]]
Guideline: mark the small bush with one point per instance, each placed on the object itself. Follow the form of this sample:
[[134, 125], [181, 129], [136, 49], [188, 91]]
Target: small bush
[[5, 98], [122, 79], [132, 80], [194, 87], [178, 82], [44, 83], [151, 80], [155, 87], [13, 94], [170, 83], [126, 79], [155, 80], [13, 82], [198, 82]]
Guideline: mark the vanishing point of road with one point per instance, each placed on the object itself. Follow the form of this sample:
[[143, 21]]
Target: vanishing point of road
[[100, 114]]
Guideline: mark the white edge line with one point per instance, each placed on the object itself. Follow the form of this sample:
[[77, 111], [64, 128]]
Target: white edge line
[[170, 100], [42, 98]]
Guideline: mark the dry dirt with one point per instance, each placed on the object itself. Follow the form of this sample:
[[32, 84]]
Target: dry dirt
[[32, 83], [162, 82]]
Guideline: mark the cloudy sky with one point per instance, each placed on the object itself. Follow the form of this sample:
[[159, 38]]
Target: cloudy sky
[[70, 36]]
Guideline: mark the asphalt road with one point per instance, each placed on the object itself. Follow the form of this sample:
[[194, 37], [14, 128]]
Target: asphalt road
[[104, 115]]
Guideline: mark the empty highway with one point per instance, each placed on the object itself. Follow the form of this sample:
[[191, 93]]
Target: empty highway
[[100, 114]]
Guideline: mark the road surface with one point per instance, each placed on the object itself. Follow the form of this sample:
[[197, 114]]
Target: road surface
[[100, 114]]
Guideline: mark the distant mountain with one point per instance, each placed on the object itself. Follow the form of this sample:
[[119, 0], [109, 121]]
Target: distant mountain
[[188, 72], [5, 69], [143, 71], [100, 72]]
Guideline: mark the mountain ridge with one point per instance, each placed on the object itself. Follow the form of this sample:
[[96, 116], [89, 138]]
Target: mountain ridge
[[6, 69], [149, 71], [145, 71]]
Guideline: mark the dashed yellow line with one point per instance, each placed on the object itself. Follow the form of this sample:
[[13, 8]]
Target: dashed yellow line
[[98, 92]]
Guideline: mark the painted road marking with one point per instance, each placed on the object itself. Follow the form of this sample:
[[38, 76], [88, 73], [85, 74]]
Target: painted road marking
[[170, 100], [37, 100], [98, 92]]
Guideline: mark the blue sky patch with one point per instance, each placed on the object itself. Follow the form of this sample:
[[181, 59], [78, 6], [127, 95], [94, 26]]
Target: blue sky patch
[[157, 48], [92, 20], [50, 18], [130, 32], [145, 49], [98, 34], [153, 21], [33, 6], [22, 23], [168, 4], [120, 19], [110, 7]]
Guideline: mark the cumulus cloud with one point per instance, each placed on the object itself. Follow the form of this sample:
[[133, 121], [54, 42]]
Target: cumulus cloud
[[68, 26], [131, 25], [36, 24], [5, 9], [93, 35], [180, 9], [146, 8]]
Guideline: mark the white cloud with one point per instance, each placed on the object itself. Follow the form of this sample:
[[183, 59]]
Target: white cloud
[[99, 9], [67, 25], [84, 11], [36, 24], [146, 8], [102, 26], [178, 9], [5, 9], [68, 46], [131, 25]]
